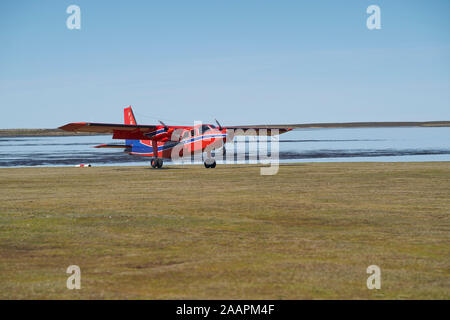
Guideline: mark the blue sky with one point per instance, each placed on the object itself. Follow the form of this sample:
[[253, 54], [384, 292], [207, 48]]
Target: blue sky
[[242, 62]]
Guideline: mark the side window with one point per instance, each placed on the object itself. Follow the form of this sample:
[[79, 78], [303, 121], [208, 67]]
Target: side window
[[185, 134], [193, 132]]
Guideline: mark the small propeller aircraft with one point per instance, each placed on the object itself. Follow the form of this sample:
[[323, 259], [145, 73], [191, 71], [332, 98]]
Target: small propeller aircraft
[[159, 141]]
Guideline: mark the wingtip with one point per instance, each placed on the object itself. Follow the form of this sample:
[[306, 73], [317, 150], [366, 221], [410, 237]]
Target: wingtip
[[72, 126]]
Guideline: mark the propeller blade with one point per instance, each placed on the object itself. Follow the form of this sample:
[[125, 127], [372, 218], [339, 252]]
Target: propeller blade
[[220, 127], [165, 126]]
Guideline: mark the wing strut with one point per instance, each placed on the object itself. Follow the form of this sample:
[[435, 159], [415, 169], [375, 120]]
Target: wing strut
[[155, 148]]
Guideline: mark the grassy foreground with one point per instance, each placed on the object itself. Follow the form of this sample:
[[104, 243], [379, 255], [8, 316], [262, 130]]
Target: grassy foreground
[[189, 232]]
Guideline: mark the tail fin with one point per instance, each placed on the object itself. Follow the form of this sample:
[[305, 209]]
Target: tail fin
[[128, 116]]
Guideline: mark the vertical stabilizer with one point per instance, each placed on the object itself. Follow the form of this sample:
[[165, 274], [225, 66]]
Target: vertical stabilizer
[[128, 116]]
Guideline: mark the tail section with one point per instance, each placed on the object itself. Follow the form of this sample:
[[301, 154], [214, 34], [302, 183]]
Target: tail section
[[128, 116]]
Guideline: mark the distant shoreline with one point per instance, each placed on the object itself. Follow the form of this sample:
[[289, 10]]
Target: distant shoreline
[[42, 133], [332, 125], [59, 132]]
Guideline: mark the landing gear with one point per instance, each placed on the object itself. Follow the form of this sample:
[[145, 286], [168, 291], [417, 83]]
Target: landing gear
[[210, 163], [156, 163]]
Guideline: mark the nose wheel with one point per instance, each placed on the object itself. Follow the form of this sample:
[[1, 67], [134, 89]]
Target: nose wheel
[[209, 163], [156, 163]]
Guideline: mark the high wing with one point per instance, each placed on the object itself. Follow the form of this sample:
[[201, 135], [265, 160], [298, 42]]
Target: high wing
[[131, 130], [257, 130], [122, 131], [143, 132]]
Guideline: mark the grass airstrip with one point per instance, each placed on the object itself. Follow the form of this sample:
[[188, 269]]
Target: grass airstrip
[[186, 232]]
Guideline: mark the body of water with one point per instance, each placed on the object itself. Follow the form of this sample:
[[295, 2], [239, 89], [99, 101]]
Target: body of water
[[303, 145]]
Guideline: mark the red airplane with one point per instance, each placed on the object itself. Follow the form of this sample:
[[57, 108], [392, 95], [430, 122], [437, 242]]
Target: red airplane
[[160, 141]]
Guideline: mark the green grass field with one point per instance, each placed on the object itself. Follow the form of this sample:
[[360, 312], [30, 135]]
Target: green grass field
[[308, 232]]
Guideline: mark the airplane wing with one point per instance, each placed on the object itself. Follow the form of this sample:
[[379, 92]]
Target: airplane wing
[[258, 130], [120, 131]]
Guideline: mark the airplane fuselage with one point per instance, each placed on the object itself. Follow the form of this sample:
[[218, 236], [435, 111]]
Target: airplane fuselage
[[189, 142]]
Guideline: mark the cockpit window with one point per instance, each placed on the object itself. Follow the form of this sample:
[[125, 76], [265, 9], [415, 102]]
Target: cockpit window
[[205, 128]]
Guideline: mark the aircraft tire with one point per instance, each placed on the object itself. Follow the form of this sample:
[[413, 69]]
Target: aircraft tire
[[213, 165], [153, 163], [207, 166], [159, 163]]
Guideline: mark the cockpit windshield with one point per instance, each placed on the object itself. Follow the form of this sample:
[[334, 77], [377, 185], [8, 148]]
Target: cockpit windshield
[[205, 128]]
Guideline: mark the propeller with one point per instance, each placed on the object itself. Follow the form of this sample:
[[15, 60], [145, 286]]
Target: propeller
[[165, 126], [224, 150], [220, 126]]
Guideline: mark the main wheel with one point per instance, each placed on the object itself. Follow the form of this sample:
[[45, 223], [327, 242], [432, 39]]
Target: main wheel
[[209, 163], [153, 163], [159, 163]]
